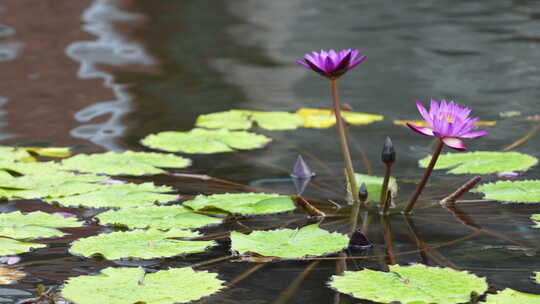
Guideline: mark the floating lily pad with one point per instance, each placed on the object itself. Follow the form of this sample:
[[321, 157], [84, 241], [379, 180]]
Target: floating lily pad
[[537, 277], [323, 118], [10, 246], [9, 275], [536, 220], [15, 154], [423, 123], [410, 284], [374, 186], [205, 141], [34, 225], [289, 243], [243, 120], [50, 151], [44, 181], [126, 163], [144, 244], [159, 217], [526, 191], [119, 196], [133, 285], [242, 203], [510, 296], [482, 162]]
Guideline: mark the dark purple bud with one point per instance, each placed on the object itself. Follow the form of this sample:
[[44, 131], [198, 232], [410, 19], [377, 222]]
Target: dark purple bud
[[359, 241], [363, 193], [301, 169], [388, 154]]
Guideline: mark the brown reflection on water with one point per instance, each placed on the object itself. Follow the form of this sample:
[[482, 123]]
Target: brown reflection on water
[[41, 84]]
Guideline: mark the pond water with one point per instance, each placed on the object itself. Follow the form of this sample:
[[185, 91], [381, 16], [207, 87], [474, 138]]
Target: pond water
[[100, 75]]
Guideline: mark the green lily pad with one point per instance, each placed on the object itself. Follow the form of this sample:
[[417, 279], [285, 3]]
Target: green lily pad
[[34, 225], [482, 162], [43, 180], [243, 120], [15, 154], [205, 141], [525, 191], [126, 163], [133, 285], [242, 203], [10, 246], [120, 196], [289, 243], [536, 220], [374, 186], [416, 284], [510, 296], [144, 244], [537, 277], [159, 217]]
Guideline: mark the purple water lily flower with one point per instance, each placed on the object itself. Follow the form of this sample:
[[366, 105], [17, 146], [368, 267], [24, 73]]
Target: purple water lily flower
[[449, 122], [331, 64]]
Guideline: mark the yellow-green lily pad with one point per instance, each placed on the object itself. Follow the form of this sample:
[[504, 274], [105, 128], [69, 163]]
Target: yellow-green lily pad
[[11, 246], [242, 203], [34, 225], [205, 141], [143, 244], [416, 284], [482, 162], [243, 120], [125, 163], [159, 217], [325, 118], [133, 285], [524, 191], [510, 296], [374, 186], [289, 243]]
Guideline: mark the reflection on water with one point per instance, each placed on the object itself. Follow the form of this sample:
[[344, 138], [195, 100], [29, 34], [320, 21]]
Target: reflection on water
[[110, 48]]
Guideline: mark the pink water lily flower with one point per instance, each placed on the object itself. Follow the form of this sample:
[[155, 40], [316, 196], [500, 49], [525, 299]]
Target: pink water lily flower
[[331, 64], [449, 122]]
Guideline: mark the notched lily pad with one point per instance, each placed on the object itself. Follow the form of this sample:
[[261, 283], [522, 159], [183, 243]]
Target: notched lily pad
[[159, 217], [143, 244], [10, 246], [525, 191], [34, 225], [125, 163], [133, 285], [243, 120], [242, 203], [289, 243], [9, 275], [120, 196], [510, 296], [536, 220], [324, 118], [482, 162], [374, 186], [416, 284], [15, 154], [205, 141]]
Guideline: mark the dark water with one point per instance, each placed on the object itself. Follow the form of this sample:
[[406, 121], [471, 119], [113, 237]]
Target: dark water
[[203, 56]]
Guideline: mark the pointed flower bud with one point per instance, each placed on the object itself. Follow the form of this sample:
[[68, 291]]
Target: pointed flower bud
[[301, 169], [388, 154], [363, 192], [359, 241], [301, 175]]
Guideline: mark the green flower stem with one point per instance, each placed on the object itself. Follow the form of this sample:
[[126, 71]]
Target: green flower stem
[[343, 141], [384, 202], [425, 178]]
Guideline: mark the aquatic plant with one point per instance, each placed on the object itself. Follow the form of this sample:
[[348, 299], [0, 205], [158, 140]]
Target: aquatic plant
[[333, 65], [449, 122]]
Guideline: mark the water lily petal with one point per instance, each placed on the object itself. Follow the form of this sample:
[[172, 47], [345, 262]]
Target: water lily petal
[[475, 134], [424, 112], [454, 143], [422, 130]]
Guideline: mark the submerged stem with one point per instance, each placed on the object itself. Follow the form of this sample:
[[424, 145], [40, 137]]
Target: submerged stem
[[340, 126], [425, 178]]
